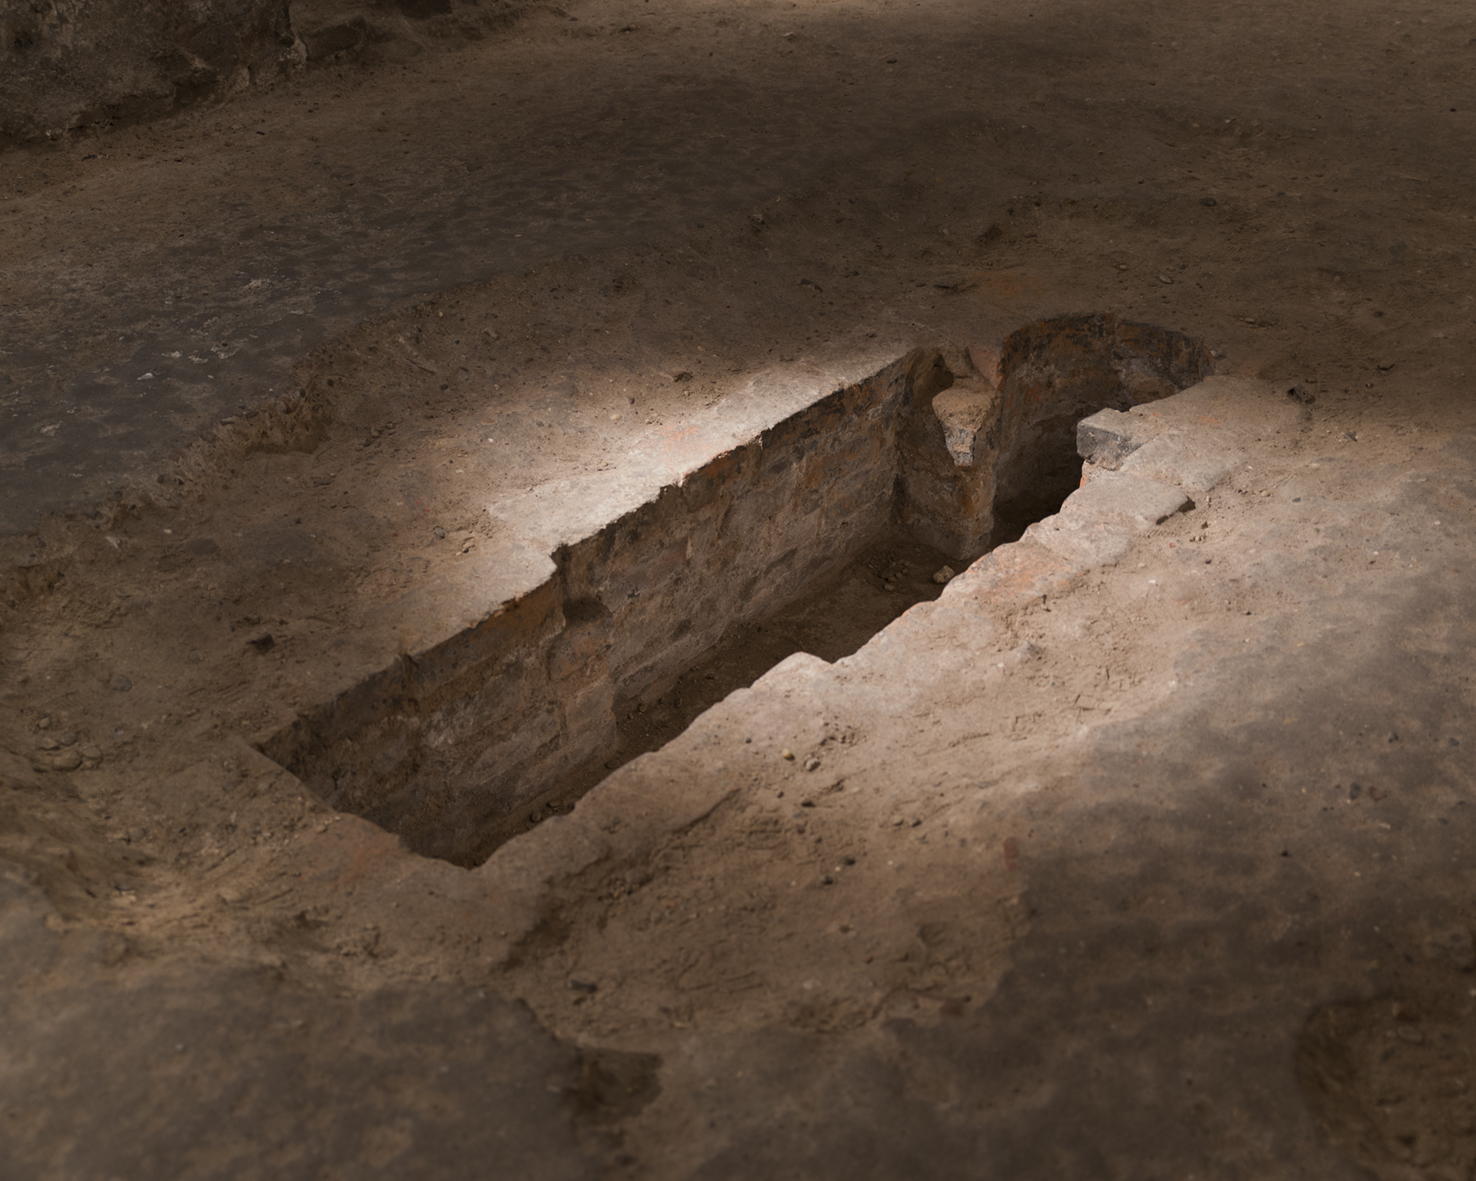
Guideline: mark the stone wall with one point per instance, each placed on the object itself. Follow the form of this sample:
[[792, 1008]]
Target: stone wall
[[446, 741], [1056, 372]]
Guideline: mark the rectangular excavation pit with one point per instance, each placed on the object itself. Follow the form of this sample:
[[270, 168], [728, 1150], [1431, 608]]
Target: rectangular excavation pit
[[453, 747]]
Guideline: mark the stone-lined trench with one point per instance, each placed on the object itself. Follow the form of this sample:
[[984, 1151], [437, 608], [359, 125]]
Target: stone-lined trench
[[955, 451]]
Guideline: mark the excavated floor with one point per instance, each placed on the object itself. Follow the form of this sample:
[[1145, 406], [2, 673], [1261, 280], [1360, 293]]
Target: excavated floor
[[459, 736], [1142, 849]]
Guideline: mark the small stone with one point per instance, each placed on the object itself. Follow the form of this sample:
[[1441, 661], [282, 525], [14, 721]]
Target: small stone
[[1302, 394], [1455, 946], [1164, 279], [577, 985], [811, 764], [891, 586], [848, 861], [1411, 1035], [944, 575], [135, 835], [47, 743], [67, 760], [827, 880], [196, 656], [440, 533], [68, 739], [122, 684], [92, 753], [786, 753], [43, 723], [1208, 202]]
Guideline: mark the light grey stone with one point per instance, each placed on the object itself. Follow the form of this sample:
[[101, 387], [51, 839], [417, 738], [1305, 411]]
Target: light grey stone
[[1129, 500], [1093, 543], [1194, 462]]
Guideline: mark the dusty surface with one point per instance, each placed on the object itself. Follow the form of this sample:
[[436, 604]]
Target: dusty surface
[[1100, 871]]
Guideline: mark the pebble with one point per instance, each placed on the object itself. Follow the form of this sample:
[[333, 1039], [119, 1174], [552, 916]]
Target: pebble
[[786, 753], [827, 880], [1208, 202], [47, 743], [811, 764], [1413, 1036], [68, 739], [440, 533], [196, 655], [122, 684], [1164, 279], [67, 760], [43, 723], [944, 575]]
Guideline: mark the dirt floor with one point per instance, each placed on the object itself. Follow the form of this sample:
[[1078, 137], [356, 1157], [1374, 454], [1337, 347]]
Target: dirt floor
[[1130, 875]]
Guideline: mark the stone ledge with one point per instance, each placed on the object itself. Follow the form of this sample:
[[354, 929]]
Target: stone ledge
[[1118, 498], [1194, 463]]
